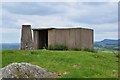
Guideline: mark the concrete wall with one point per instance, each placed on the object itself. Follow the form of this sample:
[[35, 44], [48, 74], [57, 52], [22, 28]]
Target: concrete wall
[[68, 37], [51, 37], [58, 36], [36, 39], [26, 38], [86, 38], [77, 38]]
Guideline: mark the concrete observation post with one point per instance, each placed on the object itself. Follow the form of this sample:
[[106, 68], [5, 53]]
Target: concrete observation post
[[26, 38]]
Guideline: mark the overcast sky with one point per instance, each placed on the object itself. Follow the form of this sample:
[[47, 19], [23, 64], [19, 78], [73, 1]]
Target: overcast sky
[[100, 16]]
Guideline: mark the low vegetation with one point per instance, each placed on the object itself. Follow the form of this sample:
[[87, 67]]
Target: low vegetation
[[57, 47], [69, 64], [90, 50]]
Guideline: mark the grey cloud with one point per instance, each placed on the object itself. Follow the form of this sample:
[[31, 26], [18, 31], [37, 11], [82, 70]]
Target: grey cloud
[[94, 14], [95, 3], [31, 8], [106, 13], [9, 20], [95, 19]]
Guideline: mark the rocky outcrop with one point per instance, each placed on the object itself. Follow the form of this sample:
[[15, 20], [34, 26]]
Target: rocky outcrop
[[25, 70]]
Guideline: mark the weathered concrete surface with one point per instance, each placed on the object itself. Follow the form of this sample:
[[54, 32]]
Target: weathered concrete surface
[[25, 70], [73, 38], [51, 37], [26, 38], [36, 39], [86, 38]]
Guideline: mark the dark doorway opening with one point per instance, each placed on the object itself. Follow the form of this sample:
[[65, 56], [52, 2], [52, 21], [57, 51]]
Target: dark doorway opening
[[43, 39]]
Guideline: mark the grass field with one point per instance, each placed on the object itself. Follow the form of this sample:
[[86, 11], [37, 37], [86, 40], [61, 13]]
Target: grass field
[[75, 64]]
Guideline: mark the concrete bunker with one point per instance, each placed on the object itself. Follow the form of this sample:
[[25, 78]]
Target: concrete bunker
[[73, 38]]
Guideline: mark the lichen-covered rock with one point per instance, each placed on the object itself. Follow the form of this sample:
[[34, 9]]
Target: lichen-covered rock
[[25, 70]]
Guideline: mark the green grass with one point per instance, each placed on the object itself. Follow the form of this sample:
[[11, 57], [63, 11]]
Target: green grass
[[78, 64]]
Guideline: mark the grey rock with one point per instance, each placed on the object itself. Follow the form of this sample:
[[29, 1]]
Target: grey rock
[[25, 70]]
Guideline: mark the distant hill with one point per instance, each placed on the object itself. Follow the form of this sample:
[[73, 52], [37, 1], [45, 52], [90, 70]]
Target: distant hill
[[107, 44], [104, 44]]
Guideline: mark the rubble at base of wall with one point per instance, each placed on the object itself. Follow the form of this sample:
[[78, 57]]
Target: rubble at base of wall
[[25, 70]]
